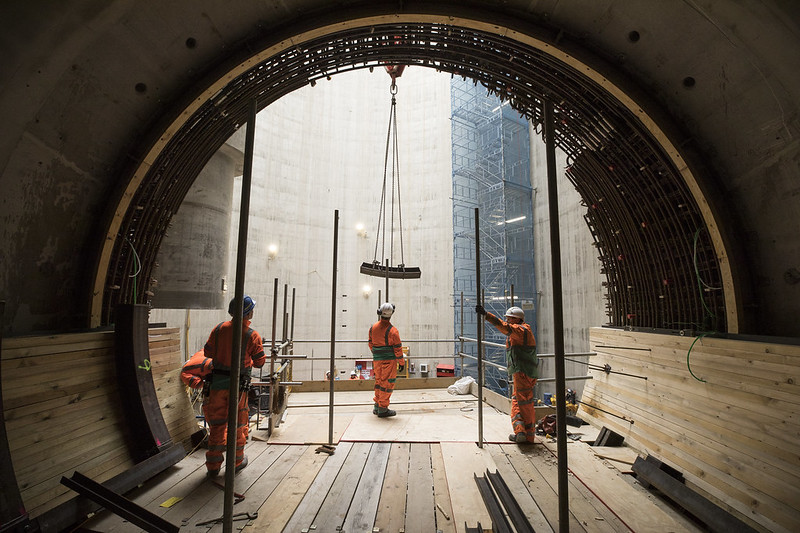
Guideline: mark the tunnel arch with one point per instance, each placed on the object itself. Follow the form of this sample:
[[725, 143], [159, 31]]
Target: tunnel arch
[[657, 229]]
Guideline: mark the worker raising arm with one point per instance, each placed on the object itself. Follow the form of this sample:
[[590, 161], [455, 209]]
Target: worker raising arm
[[523, 369]]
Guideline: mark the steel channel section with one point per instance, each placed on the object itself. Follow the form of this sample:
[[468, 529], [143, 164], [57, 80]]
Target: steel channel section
[[518, 518], [499, 522], [514, 72], [118, 504]]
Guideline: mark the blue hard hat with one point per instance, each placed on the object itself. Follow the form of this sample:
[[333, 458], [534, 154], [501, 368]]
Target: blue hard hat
[[248, 305]]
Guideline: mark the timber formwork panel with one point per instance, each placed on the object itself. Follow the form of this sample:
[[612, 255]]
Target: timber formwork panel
[[62, 411], [166, 361], [66, 417], [724, 412]]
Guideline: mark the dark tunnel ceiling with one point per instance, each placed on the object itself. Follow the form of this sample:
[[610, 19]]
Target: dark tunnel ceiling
[[657, 256]]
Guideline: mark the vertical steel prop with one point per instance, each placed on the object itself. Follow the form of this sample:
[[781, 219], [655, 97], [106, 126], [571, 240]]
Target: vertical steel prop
[[241, 259], [291, 335], [558, 318], [333, 322], [461, 349], [479, 328], [285, 330], [272, 353]]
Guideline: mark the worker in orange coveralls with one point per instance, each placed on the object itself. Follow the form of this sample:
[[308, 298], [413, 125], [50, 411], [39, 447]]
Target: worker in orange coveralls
[[523, 369], [215, 408], [196, 370], [387, 349]]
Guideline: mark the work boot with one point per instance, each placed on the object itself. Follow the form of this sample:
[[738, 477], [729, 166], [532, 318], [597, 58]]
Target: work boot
[[241, 465], [212, 473], [384, 412], [517, 437], [375, 409]]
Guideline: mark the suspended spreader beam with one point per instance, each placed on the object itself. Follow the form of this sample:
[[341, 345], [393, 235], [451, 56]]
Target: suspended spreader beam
[[398, 272]]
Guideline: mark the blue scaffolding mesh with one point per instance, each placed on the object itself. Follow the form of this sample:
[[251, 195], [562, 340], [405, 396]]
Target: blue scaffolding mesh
[[491, 171]]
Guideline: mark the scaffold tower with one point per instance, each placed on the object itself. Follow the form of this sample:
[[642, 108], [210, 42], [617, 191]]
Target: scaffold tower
[[491, 171]]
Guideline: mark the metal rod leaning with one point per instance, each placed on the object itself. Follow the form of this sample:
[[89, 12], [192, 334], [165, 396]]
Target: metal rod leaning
[[479, 329], [333, 322], [461, 366], [272, 353], [558, 313], [241, 260]]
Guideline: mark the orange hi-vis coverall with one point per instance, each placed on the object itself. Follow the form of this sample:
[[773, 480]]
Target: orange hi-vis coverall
[[215, 408], [196, 369], [523, 368], [386, 347]]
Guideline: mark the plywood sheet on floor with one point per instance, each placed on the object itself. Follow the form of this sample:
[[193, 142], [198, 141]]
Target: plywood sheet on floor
[[422, 416], [462, 461], [305, 429], [446, 426], [359, 401]]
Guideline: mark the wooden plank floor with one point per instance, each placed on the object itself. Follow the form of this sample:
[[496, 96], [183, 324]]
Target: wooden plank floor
[[402, 480]]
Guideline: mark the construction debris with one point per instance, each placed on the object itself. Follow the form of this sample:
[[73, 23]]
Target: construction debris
[[325, 448]]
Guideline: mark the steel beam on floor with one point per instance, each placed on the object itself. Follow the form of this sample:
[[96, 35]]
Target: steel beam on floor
[[518, 518], [716, 518], [118, 504], [499, 522]]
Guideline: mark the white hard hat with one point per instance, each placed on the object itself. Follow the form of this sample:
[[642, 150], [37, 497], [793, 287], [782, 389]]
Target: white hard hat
[[516, 312], [386, 310]]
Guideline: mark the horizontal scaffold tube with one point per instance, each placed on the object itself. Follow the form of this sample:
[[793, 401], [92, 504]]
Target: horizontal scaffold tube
[[540, 380], [363, 341]]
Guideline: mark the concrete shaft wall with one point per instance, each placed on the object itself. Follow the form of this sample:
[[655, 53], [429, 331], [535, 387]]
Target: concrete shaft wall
[[320, 149], [295, 192], [192, 262]]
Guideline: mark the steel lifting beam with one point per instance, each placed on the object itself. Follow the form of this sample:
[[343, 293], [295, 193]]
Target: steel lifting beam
[[118, 504]]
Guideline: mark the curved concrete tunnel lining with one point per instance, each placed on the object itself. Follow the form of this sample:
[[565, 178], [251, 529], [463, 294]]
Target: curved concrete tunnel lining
[[225, 108]]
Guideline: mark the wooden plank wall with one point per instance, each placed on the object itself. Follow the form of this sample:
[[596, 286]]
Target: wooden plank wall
[[735, 435], [62, 413], [166, 360], [62, 409]]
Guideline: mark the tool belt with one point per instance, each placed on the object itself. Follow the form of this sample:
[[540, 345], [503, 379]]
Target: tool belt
[[223, 383]]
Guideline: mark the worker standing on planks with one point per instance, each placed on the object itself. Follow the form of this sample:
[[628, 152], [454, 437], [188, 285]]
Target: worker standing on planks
[[215, 407], [523, 369], [386, 347]]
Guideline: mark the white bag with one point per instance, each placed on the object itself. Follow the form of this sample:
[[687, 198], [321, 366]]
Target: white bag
[[461, 386]]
